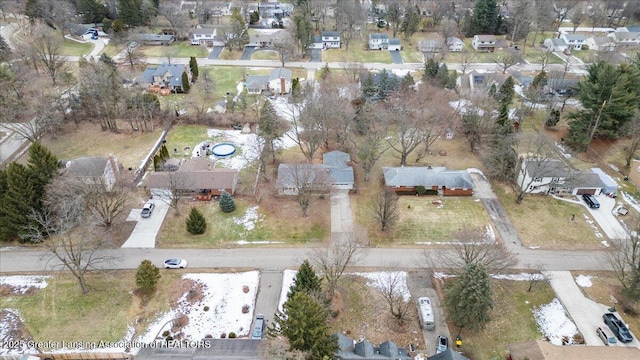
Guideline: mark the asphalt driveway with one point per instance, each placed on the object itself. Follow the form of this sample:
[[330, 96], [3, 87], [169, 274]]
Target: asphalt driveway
[[215, 52], [316, 55], [396, 58], [248, 51]]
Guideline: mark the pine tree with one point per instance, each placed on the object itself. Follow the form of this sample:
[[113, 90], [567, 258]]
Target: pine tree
[[269, 128], [196, 223], [485, 17], [304, 324], [368, 87], [305, 280], [431, 68], [147, 276], [185, 82], [227, 204], [130, 12], [540, 80], [16, 203], [193, 65], [468, 299], [42, 166], [507, 91]]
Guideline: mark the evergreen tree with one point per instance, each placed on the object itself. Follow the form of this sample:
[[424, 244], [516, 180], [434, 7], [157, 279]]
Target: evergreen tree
[[185, 82], [17, 202], [305, 280], [553, 118], [5, 50], [43, 166], [227, 204], [485, 17], [196, 223], [502, 158], [507, 91], [386, 85], [445, 78], [130, 12], [468, 299], [540, 80], [368, 87], [269, 128], [193, 65], [431, 68], [609, 96], [107, 60], [33, 10], [147, 276], [93, 11], [304, 324], [407, 83]]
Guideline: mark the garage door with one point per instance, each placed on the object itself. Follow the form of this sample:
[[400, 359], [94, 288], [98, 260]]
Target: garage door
[[586, 191]]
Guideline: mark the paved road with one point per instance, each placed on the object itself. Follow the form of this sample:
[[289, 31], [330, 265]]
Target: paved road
[[396, 57], [215, 52], [12, 142]]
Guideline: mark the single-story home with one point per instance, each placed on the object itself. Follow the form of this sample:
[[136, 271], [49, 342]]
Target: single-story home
[[574, 41], [544, 350], [277, 82], [485, 43], [378, 41], [261, 40], [626, 38], [154, 39], [558, 45], [335, 172], [480, 81], [601, 43], [406, 180], [94, 170], [165, 76], [196, 176], [555, 177], [349, 349]]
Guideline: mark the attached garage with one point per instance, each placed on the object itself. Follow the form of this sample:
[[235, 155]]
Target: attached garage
[[586, 191]]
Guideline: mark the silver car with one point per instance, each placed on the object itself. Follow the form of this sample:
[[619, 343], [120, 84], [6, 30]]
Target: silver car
[[176, 263], [147, 209]]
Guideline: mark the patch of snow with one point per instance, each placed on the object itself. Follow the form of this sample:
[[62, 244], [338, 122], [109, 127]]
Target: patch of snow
[[287, 141], [563, 150], [259, 242], [519, 277], [584, 280], [593, 226], [286, 110], [534, 247], [464, 106], [554, 323], [249, 145], [21, 283], [384, 279], [441, 275], [615, 168], [605, 243], [250, 218], [476, 171], [630, 200], [400, 72], [288, 277]]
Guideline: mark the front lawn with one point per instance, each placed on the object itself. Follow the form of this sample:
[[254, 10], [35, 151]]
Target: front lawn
[[177, 50], [358, 52], [265, 55], [74, 48]]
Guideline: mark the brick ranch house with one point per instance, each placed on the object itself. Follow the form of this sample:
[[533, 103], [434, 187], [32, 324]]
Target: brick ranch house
[[406, 180]]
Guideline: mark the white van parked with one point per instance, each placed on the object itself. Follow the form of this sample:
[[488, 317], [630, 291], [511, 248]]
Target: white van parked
[[427, 319]]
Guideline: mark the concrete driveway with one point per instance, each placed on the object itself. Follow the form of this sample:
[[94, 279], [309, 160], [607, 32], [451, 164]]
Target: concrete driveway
[[585, 313], [146, 230], [419, 284], [341, 215]]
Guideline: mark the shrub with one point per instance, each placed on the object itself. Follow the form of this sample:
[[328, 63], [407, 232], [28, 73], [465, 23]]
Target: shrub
[[147, 276], [227, 204], [245, 309], [196, 223], [223, 335], [232, 335], [421, 190], [206, 308]]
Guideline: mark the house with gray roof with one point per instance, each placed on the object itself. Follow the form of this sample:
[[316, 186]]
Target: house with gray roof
[[436, 180], [196, 176], [165, 76], [277, 82], [601, 43], [205, 36], [484, 43], [335, 172], [330, 39], [556, 44], [574, 41], [625, 38], [154, 39], [448, 355], [550, 176], [94, 170], [394, 45], [365, 350], [378, 41]]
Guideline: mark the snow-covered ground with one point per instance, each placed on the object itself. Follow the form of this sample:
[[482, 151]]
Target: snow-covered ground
[[553, 322]]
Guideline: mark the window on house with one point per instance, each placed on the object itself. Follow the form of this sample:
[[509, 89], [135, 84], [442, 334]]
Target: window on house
[[537, 179], [555, 179]]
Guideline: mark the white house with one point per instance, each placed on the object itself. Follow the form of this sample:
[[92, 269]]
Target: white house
[[454, 44], [556, 45], [574, 41], [601, 43], [378, 41], [625, 38], [330, 40], [394, 45], [549, 176], [485, 43], [203, 36]]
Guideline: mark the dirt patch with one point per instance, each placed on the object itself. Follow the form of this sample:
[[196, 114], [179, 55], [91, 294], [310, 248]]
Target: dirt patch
[[192, 289], [8, 290]]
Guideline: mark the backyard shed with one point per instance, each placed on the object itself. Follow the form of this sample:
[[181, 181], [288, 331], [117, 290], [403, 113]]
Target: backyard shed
[[610, 185]]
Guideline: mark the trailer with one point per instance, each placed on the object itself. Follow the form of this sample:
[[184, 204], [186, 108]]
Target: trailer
[[427, 319]]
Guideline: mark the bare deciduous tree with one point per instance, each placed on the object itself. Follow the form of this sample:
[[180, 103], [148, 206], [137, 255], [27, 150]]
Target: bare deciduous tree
[[634, 144], [178, 19], [538, 164], [407, 131], [332, 260], [536, 276], [47, 48], [305, 181], [466, 62], [392, 286], [370, 141], [506, 61], [286, 49], [349, 18], [385, 209], [625, 262]]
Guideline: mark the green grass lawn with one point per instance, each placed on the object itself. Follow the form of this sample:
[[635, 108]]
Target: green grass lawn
[[177, 49], [546, 222], [265, 55], [512, 320], [533, 56], [357, 53], [411, 55], [74, 48], [223, 229], [186, 135], [58, 312], [586, 56]]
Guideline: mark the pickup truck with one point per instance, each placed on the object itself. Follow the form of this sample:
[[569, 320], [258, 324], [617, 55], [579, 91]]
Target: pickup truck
[[618, 327]]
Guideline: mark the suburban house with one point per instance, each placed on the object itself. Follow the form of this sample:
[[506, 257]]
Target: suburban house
[[625, 38], [554, 44], [349, 349], [163, 77], [94, 170], [601, 43], [430, 46], [330, 40], [196, 176], [448, 355], [394, 45], [544, 350], [485, 43], [454, 44], [335, 172], [277, 82], [154, 39], [574, 41], [406, 180], [378, 41], [268, 40], [555, 177], [203, 36], [479, 81], [560, 86]]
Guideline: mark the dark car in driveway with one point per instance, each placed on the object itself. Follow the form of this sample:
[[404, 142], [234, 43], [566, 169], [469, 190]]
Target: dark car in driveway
[[619, 329]]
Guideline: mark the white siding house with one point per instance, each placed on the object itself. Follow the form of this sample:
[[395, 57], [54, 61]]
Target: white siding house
[[485, 43], [331, 40], [574, 41], [454, 44], [378, 41]]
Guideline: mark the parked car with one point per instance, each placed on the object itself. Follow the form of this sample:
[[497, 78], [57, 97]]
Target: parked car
[[606, 336], [591, 201], [619, 329], [147, 209], [258, 327], [442, 344], [176, 263]]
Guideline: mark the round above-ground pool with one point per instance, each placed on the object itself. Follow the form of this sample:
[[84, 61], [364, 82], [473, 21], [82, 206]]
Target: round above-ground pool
[[223, 150]]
